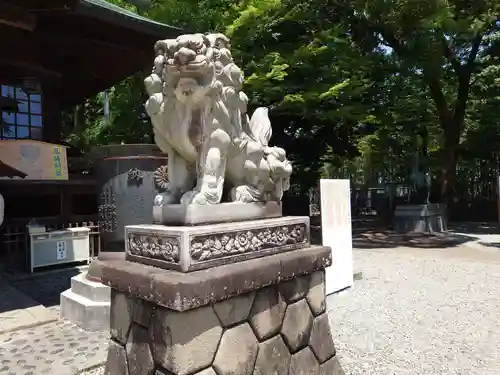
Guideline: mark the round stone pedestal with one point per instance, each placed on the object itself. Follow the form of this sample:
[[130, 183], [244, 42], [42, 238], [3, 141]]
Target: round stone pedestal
[[423, 218]]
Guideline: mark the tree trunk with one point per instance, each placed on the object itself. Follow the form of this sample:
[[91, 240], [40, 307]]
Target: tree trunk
[[449, 163]]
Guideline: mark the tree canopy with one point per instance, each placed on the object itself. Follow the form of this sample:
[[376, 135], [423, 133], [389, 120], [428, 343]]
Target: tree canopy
[[354, 87]]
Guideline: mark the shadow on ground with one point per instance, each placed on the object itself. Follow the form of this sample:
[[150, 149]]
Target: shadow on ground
[[46, 288], [490, 244], [373, 233], [476, 228]]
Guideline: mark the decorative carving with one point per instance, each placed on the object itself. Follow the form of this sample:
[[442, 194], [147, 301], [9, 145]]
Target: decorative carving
[[161, 177], [224, 244], [135, 175], [199, 117], [107, 210], [156, 247]]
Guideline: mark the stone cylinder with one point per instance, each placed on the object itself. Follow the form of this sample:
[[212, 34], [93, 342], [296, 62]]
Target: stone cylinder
[[262, 316], [126, 178]]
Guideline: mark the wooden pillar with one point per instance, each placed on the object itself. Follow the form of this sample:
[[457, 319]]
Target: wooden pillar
[[51, 95], [498, 198]]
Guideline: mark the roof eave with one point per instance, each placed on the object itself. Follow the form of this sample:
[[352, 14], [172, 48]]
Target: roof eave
[[113, 14]]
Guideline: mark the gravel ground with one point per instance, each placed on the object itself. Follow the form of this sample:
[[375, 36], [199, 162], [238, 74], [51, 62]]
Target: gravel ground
[[419, 315]]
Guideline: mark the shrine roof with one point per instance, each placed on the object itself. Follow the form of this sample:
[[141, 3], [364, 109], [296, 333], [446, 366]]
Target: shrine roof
[[112, 13]]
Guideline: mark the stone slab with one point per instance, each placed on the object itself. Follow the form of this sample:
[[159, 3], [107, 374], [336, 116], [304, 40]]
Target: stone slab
[[420, 209], [92, 290], [180, 214], [184, 291], [94, 270], [86, 304], [336, 232], [87, 314], [191, 248]]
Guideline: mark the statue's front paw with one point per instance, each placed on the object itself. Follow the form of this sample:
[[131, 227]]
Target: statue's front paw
[[245, 194], [163, 199], [194, 197], [200, 199]]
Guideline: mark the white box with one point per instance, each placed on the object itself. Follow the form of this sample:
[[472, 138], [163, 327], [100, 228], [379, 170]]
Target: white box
[[59, 247]]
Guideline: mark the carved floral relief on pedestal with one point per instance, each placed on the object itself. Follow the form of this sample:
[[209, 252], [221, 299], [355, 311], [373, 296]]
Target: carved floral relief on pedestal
[[231, 243], [156, 247]]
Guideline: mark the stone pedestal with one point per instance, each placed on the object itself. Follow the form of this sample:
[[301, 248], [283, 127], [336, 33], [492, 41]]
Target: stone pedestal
[[180, 214], [260, 316], [424, 218], [336, 232], [88, 301], [86, 304], [190, 248]]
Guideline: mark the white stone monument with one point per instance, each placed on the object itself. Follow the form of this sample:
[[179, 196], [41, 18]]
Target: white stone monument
[[337, 233]]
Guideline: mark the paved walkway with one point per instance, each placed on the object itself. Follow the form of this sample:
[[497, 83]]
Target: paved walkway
[[33, 340], [421, 311], [17, 310], [58, 348]]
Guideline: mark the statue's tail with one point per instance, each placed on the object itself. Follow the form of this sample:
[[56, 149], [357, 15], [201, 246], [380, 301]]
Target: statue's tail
[[260, 126]]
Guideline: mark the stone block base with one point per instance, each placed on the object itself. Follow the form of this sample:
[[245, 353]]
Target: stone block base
[[86, 304], [191, 248], [181, 214], [258, 317], [426, 218]]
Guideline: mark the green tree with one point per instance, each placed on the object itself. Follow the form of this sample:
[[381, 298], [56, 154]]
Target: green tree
[[444, 42]]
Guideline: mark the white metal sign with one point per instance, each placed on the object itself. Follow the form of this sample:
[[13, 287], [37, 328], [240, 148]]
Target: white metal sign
[[61, 253]]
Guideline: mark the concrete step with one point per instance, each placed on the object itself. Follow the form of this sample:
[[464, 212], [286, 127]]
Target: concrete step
[[88, 314], [89, 289]]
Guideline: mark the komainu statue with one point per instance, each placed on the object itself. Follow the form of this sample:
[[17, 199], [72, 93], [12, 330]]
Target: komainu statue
[[199, 117]]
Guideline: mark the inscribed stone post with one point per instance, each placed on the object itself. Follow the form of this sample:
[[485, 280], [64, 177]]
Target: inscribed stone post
[[337, 233]]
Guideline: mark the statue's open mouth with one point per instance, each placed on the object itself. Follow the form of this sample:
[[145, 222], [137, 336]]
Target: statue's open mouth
[[195, 128]]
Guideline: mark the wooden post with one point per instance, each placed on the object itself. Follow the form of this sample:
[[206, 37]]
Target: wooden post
[[498, 198]]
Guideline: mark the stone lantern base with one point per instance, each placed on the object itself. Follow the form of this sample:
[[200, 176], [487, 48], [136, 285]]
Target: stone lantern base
[[262, 316]]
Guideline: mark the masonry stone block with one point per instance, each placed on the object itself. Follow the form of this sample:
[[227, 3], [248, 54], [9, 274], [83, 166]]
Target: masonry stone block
[[304, 363], [297, 325], [141, 311], [234, 310], [185, 342], [139, 357], [273, 358], [267, 312], [331, 367], [295, 289], [119, 316], [237, 351], [321, 341], [316, 295], [116, 363]]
